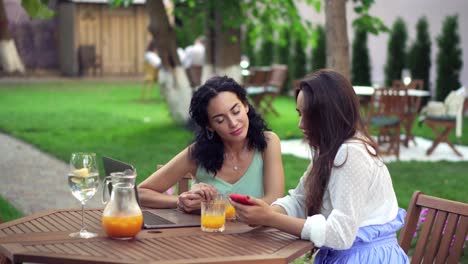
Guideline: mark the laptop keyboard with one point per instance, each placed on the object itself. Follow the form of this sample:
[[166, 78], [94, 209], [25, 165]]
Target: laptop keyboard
[[152, 219]]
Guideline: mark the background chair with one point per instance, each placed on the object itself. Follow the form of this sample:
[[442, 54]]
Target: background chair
[[443, 117], [88, 59], [411, 109], [443, 232], [183, 184], [385, 114], [272, 87], [150, 79]]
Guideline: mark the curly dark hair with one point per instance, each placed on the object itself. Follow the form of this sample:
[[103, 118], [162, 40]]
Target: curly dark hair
[[209, 153], [331, 117]]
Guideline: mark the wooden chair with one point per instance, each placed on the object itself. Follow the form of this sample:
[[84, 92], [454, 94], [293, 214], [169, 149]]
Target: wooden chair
[[385, 114], [443, 232], [447, 117], [88, 59], [263, 100], [410, 109], [3, 259], [150, 79], [182, 185]]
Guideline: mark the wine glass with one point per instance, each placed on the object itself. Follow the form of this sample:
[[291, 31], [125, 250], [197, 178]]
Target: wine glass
[[83, 180]]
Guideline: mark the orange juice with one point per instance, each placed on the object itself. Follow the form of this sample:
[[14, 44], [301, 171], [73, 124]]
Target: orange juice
[[230, 211], [122, 226], [212, 221]]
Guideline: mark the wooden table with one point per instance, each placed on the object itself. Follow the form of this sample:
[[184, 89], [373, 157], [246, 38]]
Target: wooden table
[[44, 238]]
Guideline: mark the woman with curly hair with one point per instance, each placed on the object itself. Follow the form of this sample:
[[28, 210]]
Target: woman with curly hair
[[345, 202], [233, 152]]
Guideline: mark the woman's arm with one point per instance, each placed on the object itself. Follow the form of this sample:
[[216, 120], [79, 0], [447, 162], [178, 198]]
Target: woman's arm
[[151, 191], [273, 173], [263, 214]]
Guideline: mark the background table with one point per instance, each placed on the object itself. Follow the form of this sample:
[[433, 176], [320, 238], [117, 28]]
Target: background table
[[44, 238]]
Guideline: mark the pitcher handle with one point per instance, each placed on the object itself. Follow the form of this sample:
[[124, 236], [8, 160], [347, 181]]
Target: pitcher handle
[[106, 189]]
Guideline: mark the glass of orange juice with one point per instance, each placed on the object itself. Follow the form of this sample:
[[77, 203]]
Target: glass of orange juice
[[213, 215], [230, 210]]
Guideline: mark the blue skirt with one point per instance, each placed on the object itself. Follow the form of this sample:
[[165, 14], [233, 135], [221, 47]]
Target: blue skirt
[[373, 244]]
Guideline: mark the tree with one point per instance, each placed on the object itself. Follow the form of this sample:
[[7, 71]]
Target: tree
[[319, 59], [396, 52], [449, 61], [361, 68], [189, 23], [337, 36], [10, 61], [419, 55]]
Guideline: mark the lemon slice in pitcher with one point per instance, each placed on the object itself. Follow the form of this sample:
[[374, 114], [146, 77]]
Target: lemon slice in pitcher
[[84, 172]]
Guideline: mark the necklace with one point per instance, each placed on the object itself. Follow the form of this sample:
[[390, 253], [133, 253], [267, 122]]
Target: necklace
[[235, 167]]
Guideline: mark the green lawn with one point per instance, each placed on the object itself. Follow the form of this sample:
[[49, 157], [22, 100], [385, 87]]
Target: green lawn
[[107, 118]]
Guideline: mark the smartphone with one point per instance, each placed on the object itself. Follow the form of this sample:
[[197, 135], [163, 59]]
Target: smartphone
[[240, 198]]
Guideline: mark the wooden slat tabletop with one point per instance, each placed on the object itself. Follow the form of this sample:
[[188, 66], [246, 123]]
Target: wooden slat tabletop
[[44, 238]]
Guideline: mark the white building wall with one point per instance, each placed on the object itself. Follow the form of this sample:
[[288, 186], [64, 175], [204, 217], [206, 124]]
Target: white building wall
[[410, 10]]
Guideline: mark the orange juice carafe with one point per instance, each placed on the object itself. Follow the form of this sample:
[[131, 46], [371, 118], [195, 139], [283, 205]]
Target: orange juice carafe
[[122, 217]]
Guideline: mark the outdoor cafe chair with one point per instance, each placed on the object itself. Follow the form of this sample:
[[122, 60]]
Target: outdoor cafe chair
[[385, 115], [411, 107], [442, 236], [268, 89], [88, 59], [150, 79], [182, 185], [443, 117]]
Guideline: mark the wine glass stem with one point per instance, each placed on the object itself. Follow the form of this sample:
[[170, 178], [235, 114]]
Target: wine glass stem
[[82, 218]]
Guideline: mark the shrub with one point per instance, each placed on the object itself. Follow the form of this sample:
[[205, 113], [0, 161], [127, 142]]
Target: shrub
[[266, 50], [360, 66], [319, 56], [396, 53], [449, 61], [299, 60], [419, 55], [248, 45]]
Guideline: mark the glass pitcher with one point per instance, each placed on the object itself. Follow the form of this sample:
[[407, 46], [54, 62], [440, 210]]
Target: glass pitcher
[[122, 217]]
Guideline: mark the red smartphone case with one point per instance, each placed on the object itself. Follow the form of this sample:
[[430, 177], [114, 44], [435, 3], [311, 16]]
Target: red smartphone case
[[240, 198]]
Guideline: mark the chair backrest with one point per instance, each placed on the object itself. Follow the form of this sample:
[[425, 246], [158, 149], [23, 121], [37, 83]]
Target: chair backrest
[[259, 76], [279, 74], [183, 184], [87, 58], [389, 102], [443, 232]]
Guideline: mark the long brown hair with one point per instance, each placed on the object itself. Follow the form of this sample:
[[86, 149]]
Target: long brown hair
[[331, 114]]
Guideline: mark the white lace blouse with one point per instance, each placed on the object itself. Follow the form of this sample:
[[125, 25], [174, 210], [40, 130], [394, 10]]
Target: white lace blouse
[[359, 193]]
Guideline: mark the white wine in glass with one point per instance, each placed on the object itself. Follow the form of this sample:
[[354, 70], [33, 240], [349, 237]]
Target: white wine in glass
[[83, 180]]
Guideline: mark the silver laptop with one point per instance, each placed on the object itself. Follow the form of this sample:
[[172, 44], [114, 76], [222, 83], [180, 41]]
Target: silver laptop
[[154, 218]]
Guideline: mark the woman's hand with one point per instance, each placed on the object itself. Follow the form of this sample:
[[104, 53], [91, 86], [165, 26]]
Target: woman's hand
[[189, 201], [253, 215], [206, 191]]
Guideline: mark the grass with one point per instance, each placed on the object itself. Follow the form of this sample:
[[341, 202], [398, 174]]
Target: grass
[[107, 118]]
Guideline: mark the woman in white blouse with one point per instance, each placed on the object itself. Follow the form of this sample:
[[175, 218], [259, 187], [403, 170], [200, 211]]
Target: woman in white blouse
[[344, 203]]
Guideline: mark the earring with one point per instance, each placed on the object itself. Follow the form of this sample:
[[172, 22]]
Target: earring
[[209, 134]]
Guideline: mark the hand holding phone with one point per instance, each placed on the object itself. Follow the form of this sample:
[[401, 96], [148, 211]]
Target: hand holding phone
[[240, 198]]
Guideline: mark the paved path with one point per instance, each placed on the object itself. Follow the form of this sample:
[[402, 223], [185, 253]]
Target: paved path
[[34, 181]]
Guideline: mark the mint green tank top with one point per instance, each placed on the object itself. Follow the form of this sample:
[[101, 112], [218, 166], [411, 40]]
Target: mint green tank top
[[251, 183]]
